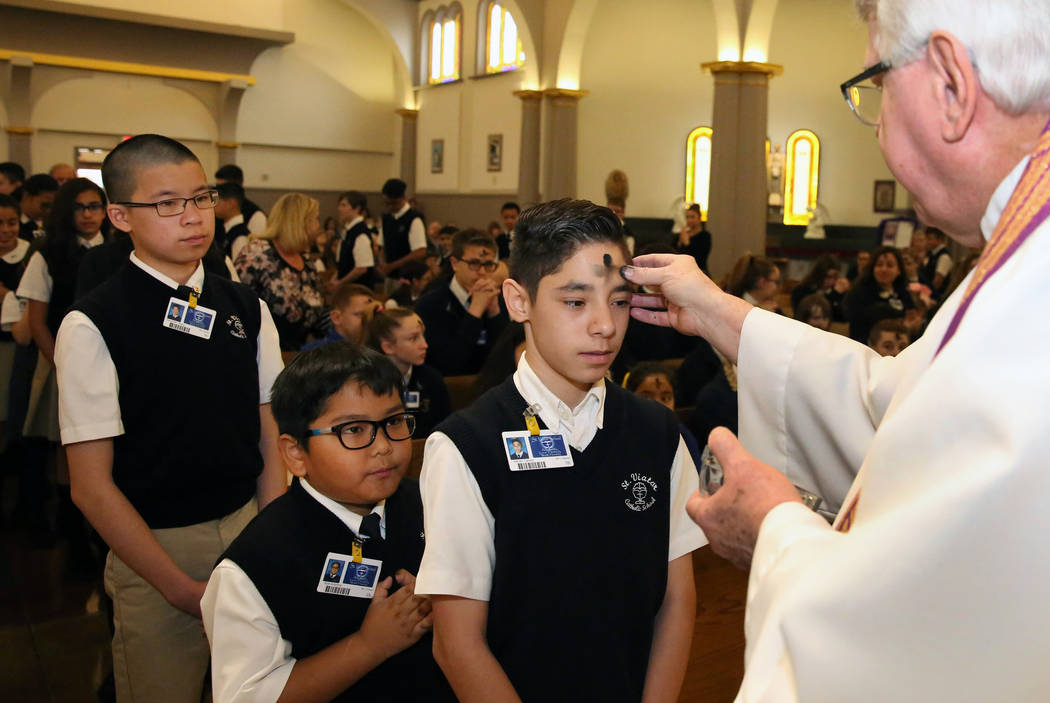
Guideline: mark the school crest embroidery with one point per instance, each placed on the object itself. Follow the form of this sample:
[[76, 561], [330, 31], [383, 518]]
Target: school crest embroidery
[[641, 491], [236, 327]]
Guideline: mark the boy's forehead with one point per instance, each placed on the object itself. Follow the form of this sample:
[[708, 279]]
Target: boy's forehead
[[155, 180], [591, 264], [355, 398]]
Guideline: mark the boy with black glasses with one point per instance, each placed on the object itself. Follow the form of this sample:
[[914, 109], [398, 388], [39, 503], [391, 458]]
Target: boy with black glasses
[[464, 317], [167, 470], [315, 600]]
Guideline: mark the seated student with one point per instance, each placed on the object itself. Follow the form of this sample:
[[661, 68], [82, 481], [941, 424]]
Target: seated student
[[253, 214], [502, 360], [756, 280], [889, 337], [228, 208], [508, 215], [38, 192], [398, 333], [526, 567], [401, 231], [824, 278], [167, 466], [463, 316], [653, 381], [352, 308], [415, 275], [356, 262], [814, 310], [880, 292], [11, 177], [650, 343], [290, 612], [694, 239]]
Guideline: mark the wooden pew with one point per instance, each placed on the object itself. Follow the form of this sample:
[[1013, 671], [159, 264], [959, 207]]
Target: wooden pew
[[461, 390]]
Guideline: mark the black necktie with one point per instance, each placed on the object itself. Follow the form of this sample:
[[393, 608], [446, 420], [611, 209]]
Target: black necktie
[[370, 528]]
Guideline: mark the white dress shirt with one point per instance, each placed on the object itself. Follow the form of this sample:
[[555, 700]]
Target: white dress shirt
[[460, 552], [257, 222], [417, 233], [239, 242], [36, 283], [250, 661], [88, 396], [938, 591], [362, 246]]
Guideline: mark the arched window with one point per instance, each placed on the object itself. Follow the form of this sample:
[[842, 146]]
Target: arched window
[[698, 168], [442, 42], [801, 176], [502, 49]]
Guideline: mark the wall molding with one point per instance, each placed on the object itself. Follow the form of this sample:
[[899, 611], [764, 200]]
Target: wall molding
[[139, 69]]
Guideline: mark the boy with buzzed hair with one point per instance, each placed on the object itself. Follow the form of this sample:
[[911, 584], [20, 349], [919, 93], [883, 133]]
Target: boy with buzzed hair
[[168, 471], [526, 557]]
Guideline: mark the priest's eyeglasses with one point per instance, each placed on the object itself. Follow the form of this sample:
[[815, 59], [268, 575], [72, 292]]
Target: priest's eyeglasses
[[865, 101], [358, 434], [176, 206]]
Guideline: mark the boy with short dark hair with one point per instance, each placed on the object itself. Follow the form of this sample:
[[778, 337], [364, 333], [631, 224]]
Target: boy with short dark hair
[[508, 215], [168, 470], [356, 260], [38, 192], [254, 216], [352, 308], [314, 601], [401, 230], [463, 315], [11, 177], [565, 575], [229, 208]]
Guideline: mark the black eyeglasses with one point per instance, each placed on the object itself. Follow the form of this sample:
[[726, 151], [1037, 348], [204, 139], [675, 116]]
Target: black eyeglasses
[[475, 264], [176, 206], [865, 101], [358, 434], [87, 207]]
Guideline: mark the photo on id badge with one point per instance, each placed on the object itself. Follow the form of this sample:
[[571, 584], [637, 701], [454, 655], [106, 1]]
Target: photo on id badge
[[335, 570], [175, 312], [517, 449]]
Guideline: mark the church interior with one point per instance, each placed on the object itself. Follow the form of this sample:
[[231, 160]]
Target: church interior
[[731, 104]]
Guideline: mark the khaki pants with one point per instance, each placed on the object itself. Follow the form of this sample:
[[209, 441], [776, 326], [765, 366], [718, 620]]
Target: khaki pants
[[160, 654]]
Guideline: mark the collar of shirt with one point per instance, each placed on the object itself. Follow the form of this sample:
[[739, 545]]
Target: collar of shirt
[[195, 281], [18, 253], [93, 242], [347, 516], [23, 218], [352, 223], [579, 424], [407, 376], [459, 291], [233, 221], [1000, 198], [750, 298], [404, 208]]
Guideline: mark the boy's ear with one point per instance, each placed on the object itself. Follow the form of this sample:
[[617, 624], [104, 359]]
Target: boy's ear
[[294, 455], [335, 315], [118, 216], [517, 300]]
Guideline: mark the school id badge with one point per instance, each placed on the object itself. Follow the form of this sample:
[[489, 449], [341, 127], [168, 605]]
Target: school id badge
[[197, 320], [343, 576], [527, 452]]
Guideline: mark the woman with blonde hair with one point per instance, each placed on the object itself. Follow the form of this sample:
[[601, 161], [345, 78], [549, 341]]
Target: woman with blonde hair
[[272, 265]]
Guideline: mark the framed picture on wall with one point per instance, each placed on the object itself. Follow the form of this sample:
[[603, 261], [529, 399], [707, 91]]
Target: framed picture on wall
[[495, 152], [437, 155], [885, 196]]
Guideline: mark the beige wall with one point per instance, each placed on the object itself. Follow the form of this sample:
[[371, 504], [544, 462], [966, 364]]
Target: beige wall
[[807, 96], [463, 114], [258, 14], [641, 64]]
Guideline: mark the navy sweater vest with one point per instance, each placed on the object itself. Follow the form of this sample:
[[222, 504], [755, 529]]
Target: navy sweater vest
[[395, 234], [190, 406], [283, 551], [581, 552]]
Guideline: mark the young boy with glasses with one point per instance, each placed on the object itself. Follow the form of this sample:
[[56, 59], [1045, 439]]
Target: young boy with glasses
[[464, 317], [168, 470], [315, 600]]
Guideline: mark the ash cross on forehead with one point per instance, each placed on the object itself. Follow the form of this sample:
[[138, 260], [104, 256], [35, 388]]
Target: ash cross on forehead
[[602, 271]]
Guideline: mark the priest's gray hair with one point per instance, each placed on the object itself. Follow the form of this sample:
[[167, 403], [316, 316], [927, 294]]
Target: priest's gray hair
[[1008, 42]]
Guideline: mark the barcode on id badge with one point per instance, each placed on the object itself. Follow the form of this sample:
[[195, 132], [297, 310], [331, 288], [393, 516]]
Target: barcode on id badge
[[340, 590], [532, 465]]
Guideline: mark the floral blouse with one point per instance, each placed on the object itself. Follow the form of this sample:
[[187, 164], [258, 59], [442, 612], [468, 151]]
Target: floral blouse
[[294, 297]]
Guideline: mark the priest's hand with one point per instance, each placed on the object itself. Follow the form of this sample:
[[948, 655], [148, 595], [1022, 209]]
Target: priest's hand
[[732, 516], [683, 297]]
